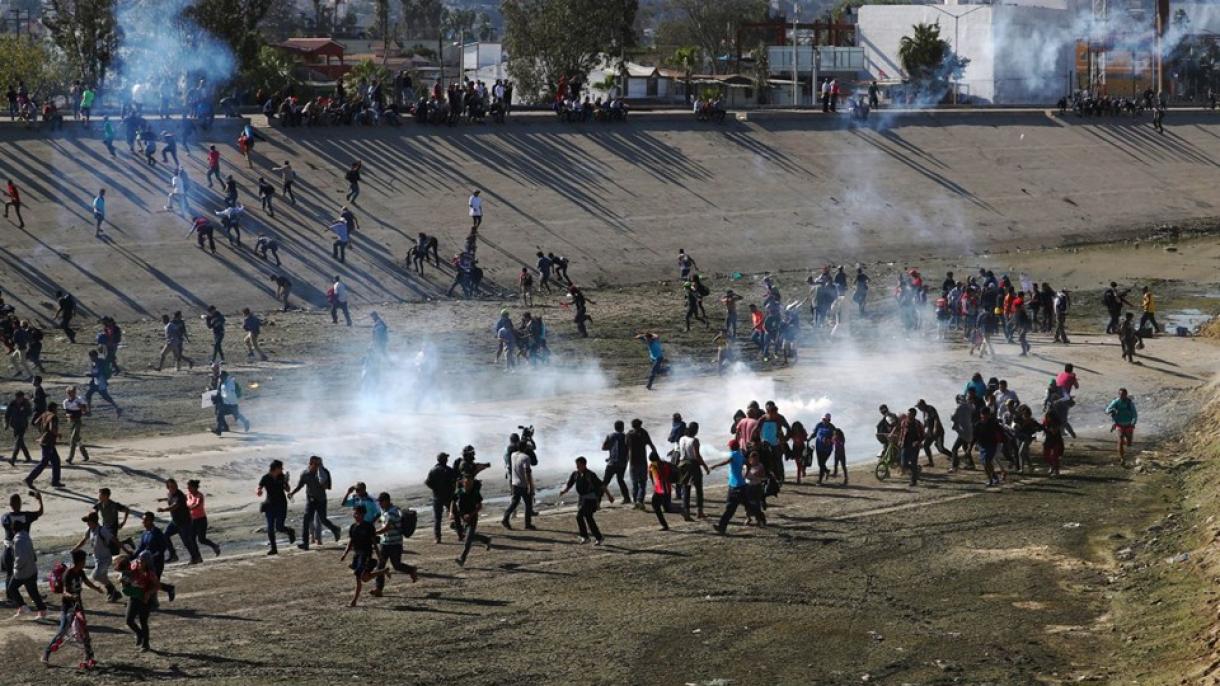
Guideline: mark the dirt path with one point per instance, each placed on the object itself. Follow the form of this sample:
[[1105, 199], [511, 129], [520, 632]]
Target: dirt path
[[869, 579], [954, 582]]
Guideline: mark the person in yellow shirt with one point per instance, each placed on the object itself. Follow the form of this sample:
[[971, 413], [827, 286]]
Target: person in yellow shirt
[[1149, 316]]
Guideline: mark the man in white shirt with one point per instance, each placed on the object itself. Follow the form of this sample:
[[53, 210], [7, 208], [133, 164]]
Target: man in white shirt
[[177, 194], [521, 478], [338, 301], [476, 210]]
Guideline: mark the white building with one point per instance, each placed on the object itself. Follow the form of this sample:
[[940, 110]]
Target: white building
[[643, 82], [1019, 53]]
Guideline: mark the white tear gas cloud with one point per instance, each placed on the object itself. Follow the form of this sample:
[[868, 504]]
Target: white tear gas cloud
[[389, 436], [161, 47]]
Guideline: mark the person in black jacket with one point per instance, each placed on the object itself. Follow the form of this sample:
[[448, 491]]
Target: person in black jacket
[[17, 419], [442, 481], [590, 489]]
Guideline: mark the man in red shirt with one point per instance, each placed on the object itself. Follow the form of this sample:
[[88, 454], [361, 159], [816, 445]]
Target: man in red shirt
[[214, 166], [14, 201]]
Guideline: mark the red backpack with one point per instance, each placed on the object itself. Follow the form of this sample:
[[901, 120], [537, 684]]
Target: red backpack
[[56, 578]]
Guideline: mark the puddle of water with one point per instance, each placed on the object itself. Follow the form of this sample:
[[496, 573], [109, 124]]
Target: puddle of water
[[1190, 319]]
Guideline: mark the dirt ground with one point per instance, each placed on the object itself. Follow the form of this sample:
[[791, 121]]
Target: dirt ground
[[945, 583]]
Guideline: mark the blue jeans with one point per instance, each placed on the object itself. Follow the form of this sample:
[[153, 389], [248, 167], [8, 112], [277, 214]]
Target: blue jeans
[[656, 369], [31, 588], [315, 517], [186, 532], [910, 461], [639, 483], [66, 614], [275, 523]]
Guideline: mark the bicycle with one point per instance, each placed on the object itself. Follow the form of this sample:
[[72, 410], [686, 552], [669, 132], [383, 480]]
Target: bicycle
[[888, 459]]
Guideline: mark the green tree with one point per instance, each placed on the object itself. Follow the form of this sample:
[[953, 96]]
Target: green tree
[[686, 58], [367, 71], [31, 62], [761, 72], [87, 33], [423, 18], [928, 59], [283, 20], [236, 22], [459, 23], [272, 71], [709, 25], [548, 40], [484, 30]]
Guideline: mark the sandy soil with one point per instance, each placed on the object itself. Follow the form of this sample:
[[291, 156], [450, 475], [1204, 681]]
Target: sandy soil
[[944, 583]]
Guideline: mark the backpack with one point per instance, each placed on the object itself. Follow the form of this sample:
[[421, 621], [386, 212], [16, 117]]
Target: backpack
[[55, 580], [407, 521], [1109, 298], [703, 289]]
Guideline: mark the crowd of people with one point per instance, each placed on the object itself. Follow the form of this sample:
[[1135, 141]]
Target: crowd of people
[[764, 449], [371, 103]]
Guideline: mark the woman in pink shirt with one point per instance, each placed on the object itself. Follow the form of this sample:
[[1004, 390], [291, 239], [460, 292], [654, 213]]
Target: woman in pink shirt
[[199, 516]]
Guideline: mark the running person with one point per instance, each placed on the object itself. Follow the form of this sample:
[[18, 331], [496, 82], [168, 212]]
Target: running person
[[273, 487], [467, 503], [389, 529], [73, 582], [1124, 415], [361, 537], [590, 489], [199, 515]]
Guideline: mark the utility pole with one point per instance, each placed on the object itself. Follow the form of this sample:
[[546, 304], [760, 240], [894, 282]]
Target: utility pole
[[1162, 9], [796, 98], [385, 31]]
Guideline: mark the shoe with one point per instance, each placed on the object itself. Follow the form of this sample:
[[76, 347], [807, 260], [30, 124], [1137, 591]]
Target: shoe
[[303, 546], [719, 529], [336, 533], [20, 611], [273, 551], [599, 541], [438, 540], [375, 593], [292, 537], [172, 559], [170, 593], [195, 561], [40, 615], [531, 527], [460, 562], [665, 528], [582, 540], [216, 550], [504, 523], [488, 544], [413, 574]]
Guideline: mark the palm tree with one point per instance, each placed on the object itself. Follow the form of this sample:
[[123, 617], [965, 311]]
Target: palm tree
[[686, 58], [923, 53], [367, 71]]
